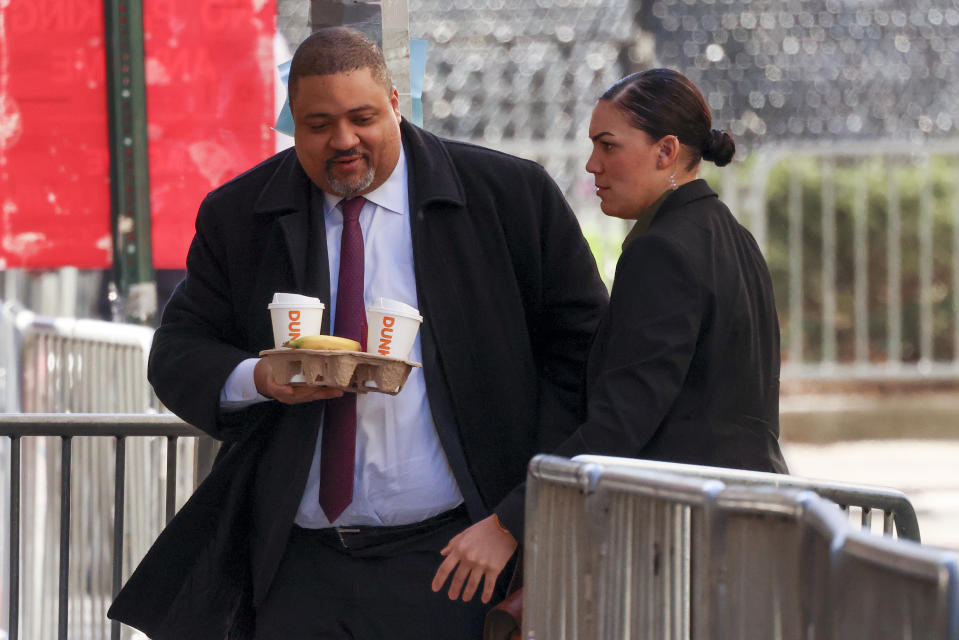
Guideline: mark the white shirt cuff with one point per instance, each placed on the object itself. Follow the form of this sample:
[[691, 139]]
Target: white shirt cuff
[[239, 390]]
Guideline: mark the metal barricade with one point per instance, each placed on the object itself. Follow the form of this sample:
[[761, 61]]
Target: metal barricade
[[888, 591], [756, 557], [621, 551], [82, 366], [883, 505], [587, 579], [71, 366], [67, 595]]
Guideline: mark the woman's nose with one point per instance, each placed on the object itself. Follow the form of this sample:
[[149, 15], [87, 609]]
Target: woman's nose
[[592, 166]]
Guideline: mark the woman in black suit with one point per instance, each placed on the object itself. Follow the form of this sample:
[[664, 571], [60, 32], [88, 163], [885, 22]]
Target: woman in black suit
[[685, 365]]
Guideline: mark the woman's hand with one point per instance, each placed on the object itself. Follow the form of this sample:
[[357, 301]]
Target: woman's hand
[[478, 553], [287, 393]]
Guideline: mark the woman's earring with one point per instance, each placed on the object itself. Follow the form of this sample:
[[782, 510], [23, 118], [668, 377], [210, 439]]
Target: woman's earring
[[672, 182]]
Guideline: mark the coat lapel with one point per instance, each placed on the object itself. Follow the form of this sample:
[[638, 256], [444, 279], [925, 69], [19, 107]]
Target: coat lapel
[[290, 197]]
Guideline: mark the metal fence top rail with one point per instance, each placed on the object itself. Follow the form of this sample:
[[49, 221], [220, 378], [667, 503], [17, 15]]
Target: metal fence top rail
[[915, 560], [83, 328], [740, 476], [95, 424], [843, 493], [588, 478]]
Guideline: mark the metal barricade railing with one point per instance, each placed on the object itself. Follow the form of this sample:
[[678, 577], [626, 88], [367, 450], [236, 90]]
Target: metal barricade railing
[[870, 504], [585, 579], [50, 365], [888, 591], [756, 538], [616, 550], [78, 608]]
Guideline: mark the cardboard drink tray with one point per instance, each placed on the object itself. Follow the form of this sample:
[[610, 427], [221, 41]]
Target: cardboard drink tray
[[354, 371]]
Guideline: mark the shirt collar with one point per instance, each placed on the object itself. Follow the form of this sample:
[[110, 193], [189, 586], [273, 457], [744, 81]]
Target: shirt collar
[[391, 195]]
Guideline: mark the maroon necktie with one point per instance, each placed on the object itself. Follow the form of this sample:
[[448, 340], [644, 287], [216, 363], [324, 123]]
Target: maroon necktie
[[338, 448]]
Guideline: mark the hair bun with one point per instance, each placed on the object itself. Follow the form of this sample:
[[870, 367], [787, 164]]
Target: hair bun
[[719, 147]]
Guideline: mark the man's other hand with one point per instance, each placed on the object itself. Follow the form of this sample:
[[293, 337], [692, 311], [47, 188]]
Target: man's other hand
[[287, 393], [478, 553]]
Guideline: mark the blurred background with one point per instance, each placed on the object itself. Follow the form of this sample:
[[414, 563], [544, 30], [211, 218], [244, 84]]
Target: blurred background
[[845, 114]]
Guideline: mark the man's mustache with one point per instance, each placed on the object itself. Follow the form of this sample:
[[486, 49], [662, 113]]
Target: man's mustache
[[348, 153]]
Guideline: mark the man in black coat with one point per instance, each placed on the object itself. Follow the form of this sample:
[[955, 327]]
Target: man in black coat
[[510, 297]]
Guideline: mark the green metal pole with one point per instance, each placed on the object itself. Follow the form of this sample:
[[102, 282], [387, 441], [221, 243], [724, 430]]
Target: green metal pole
[[133, 272]]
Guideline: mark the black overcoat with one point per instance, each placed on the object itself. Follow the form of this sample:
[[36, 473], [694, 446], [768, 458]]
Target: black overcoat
[[511, 298], [685, 364]]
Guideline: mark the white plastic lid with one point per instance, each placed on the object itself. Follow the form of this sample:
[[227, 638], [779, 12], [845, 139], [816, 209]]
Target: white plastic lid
[[395, 307], [294, 300]]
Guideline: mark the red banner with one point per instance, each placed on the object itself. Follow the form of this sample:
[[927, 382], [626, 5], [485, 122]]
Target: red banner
[[209, 69], [54, 163]]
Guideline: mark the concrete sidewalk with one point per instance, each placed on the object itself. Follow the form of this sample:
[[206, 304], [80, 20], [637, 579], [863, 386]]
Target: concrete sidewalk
[[927, 471]]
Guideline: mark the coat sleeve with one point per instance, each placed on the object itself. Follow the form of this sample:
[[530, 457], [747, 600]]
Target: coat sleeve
[[198, 344], [655, 315], [572, 300]]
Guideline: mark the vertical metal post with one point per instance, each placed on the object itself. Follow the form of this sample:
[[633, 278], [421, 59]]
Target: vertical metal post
[[925, 266], [170, 477], [129, 175], [828, 265], [396, 49], [861, 286], [796, 324], [14, 587], [955, 276], [63, 608], [894, 271], [119, 496]]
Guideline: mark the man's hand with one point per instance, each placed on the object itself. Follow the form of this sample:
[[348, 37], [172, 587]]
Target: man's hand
[[481, 552], [286, 393]]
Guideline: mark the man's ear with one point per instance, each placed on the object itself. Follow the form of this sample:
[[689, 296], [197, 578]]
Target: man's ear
[[395, 103]]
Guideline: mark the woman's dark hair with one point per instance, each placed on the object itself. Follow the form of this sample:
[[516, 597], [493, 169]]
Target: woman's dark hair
[[663, 102]]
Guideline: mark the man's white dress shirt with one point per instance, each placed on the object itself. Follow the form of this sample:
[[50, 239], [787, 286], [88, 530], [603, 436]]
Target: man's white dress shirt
[[401, 474]]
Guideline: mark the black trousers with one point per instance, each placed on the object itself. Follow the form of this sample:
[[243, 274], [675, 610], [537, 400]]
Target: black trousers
[[369, 585]]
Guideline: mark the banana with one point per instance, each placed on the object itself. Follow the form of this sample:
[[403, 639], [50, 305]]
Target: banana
[[324, 343]]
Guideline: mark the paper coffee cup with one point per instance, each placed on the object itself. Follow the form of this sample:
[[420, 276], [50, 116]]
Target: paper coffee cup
[[392, 328], [294, 315]]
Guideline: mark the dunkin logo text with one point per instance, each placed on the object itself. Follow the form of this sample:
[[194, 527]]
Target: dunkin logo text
[[294, 326], [386, 335]]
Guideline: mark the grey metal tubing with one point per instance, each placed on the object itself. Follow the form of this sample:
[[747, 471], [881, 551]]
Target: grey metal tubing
[[14, 588], [170, 477], [842, 493], [95, 424], [119, 498], [63, 607]]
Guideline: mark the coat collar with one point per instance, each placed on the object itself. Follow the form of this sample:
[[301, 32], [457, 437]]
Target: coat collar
[[287, 190], [432, 176], [695, 190]]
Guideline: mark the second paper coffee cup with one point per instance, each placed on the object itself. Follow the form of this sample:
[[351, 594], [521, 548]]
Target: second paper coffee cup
[[392, 328]]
